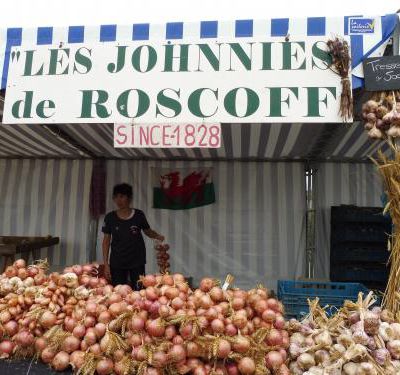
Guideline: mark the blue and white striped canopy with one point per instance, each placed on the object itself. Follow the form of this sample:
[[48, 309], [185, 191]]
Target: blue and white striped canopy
[[363, 45]]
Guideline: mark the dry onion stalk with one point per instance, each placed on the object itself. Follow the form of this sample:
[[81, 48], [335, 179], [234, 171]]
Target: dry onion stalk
[[339, 51]]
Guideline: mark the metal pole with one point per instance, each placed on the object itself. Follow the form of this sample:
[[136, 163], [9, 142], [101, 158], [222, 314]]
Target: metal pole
[[310, 221]]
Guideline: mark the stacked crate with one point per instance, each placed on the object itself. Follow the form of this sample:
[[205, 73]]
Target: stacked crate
[[359, 243]]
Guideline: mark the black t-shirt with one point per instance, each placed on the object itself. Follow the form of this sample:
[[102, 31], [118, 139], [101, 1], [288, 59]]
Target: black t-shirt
[[128, 249]]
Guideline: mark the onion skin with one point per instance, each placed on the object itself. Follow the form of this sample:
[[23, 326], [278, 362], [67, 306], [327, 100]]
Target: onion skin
[[11, 328], [48, 319], [6, 348], [60, 361], [40, 344], [273, 360], [77, 359], [71, 344], [247, 366]]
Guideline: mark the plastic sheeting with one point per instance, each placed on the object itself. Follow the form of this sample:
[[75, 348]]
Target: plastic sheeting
[[255, 230], [336, 184], [47, 197]]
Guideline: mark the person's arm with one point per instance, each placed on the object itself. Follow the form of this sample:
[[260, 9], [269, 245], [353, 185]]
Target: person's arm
[[153, 234], [150, 232], [106, 253]]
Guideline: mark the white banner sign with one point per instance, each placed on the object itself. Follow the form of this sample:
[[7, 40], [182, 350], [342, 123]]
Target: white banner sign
[[167, 135], [208, 80]]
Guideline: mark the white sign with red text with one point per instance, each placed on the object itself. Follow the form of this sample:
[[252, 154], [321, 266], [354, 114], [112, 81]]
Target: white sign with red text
[[167, 135]]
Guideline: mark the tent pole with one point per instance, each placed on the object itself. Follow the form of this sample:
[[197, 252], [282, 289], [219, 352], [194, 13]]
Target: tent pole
[[310, 173]]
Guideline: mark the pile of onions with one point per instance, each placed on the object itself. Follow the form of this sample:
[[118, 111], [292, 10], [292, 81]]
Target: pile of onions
[[360, 340], [75, 318], [162, 257]]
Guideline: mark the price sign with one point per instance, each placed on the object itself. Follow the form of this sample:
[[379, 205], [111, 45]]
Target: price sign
[[382, 73], [167, 135]]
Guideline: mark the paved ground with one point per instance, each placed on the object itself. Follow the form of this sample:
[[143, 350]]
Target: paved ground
[[27, 368]]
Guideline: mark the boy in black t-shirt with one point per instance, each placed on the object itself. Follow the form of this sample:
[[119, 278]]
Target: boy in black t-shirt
[[123, 231]]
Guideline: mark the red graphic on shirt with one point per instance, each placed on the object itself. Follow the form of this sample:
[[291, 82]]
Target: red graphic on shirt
[[194, 183]]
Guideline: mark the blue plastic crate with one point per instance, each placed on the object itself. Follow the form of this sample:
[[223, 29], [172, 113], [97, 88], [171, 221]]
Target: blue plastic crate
[[294, 295]]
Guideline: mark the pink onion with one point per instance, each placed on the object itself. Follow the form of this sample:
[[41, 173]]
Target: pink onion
[[273, 304], [218, 326], [77, 269], [279, 322], [95, 349], [48, 355], [24, 339], [77, 359], [89, 321], [87, 268], [20, 263], [273, 360], [155, 328], [170, 332], [177, 353], [69, 324], [159, 359], [6, 347], [104, 317], [137, 324], [90, 338], [100, 329], [40, 344], [152, 293], [224, 349], [216, 294], [274, 338], [247, 366], [91, 308], [206, 284], [232, 369], [60, 361], [241, 344], [71, 344], [230, 330], [105, 366], [193, 350], [79, 331], [33, 271], [135, 340], [48, 319], [11, 328]]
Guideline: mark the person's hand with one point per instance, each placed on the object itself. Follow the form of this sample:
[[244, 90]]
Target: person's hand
[[160, 238], [107, 272]]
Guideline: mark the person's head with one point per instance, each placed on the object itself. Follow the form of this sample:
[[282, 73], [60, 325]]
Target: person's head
[[122, 195]]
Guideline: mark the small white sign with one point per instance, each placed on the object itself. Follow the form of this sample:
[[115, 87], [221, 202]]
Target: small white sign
[[167, 135]]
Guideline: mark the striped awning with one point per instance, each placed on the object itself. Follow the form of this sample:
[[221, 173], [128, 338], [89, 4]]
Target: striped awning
[[262, 142], [363, 44]]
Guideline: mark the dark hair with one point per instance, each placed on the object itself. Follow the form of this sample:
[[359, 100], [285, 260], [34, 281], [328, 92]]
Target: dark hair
[[123, 189]]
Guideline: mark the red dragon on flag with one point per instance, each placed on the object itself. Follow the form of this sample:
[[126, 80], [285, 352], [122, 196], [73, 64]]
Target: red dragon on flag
[[183, 189]]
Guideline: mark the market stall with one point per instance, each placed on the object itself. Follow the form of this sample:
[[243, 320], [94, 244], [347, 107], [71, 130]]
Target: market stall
[[255, 229], [253, 142]]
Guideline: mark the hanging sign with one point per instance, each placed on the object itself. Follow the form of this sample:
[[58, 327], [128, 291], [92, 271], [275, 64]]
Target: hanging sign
[[382, 73], [204, 81], [167, 135]]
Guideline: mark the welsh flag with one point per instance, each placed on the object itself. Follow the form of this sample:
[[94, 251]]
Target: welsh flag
[[182, 189]]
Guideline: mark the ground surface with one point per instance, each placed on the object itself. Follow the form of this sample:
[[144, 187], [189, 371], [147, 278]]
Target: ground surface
[[27, 368]]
